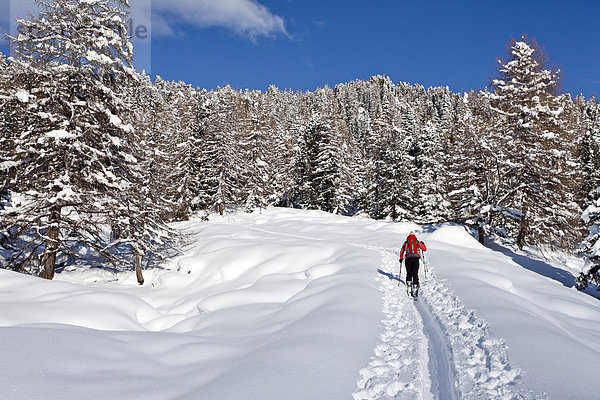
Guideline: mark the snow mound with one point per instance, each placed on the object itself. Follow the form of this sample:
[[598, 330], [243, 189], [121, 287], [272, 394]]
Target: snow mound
[[455, 235]]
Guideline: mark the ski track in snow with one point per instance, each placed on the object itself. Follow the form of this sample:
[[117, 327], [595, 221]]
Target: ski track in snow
[[399, 368], [463, 360], [441, 368]]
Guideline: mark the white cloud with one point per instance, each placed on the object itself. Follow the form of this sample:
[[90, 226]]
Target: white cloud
[[244, 17]]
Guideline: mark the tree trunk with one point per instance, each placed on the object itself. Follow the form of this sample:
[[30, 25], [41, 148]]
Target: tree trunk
[[522, 232], [138, 268], [480, 232], [49, 259]]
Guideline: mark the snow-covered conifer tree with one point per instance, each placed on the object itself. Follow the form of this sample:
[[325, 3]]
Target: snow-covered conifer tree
[[6, 144], [76, 166], [172, 134], [376, 142], [590, 247], [324, 170], [477, 169], [286, 115], [312, 180], [590, 147], [220, 163], [256, 128], [590, 160], [538, 145], [428, 176], [295, 116]]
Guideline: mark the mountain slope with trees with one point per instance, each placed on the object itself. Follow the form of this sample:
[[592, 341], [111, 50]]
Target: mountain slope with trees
[[88, 147]]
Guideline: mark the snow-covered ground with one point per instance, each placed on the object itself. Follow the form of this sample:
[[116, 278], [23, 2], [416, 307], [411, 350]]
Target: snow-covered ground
[[290, 304]]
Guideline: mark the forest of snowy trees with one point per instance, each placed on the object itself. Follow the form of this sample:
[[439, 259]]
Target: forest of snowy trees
[[96, 159]]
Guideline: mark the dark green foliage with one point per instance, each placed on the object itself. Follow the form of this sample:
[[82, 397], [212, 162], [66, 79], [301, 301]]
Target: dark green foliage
[[591, 277]]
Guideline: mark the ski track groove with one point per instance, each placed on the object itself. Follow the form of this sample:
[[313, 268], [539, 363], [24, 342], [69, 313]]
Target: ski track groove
[[443, 374]]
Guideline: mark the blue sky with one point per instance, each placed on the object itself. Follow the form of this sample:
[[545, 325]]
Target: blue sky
[[305, 44]]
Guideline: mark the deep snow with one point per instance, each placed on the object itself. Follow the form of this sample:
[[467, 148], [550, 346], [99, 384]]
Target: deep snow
[[290, 304]]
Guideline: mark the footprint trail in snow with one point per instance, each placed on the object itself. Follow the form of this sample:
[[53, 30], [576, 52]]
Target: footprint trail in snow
[[399, 368]]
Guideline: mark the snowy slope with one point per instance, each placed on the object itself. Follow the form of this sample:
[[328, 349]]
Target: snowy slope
[[289, 304]]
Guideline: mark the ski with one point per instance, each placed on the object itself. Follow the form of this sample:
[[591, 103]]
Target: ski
[[412, 292]]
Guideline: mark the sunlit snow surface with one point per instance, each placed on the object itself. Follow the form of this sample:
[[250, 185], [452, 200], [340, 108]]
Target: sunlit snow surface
[[289, 304]]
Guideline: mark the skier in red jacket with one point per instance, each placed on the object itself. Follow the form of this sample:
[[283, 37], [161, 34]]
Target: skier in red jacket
[[411, 250]]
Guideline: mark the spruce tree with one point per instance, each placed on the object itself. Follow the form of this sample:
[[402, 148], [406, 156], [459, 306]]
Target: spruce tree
[[325, 163], [378, 175], [314, 169], [6, 148], [589, 153], [256, 127], [280, 141], [428, 176], [220, 164], [538, 146], [590, 159], [76, 169], [590, 247]]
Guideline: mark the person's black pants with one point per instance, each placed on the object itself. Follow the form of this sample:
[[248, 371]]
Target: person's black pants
[[412, 270]]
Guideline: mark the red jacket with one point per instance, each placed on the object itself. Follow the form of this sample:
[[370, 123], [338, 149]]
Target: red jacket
[[412, 247]]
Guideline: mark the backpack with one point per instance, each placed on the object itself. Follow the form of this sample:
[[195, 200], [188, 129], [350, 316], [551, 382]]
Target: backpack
[[412, 247]]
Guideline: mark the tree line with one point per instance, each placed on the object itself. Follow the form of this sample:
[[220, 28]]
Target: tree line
[[96, 159]]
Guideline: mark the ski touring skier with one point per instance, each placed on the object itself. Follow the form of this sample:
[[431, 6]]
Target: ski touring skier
[[411, 252]]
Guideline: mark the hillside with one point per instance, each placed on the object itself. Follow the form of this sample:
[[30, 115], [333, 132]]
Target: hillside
[[290, 304]]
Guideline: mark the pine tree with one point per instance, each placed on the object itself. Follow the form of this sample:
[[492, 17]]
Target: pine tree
[[324, 178], [589, 153], [220, 163], [285, 125], [590, 247], [479, 168], [378, 175], [403, 200], [177, 113], [379, 136], [429, 176], [76, 167], [590, 160], [538, 145], [255, 128], [314, 188], [295, 118], [6, 148]]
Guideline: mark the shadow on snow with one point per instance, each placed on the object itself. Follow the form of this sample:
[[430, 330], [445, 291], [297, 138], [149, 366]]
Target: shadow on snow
[[542, 268], [391, 277]]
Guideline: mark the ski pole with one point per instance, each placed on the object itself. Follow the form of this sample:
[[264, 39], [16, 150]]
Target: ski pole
[[424, 264], [399, 272]]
